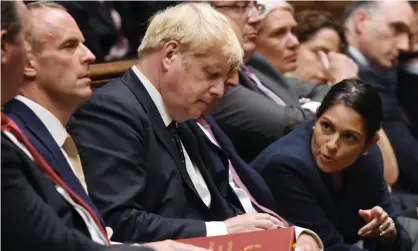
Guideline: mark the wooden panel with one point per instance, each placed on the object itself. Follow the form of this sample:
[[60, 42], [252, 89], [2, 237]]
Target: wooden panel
[[102, 73], [335, 7]]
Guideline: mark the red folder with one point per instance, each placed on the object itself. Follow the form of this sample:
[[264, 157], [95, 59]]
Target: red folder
[[281, 239]]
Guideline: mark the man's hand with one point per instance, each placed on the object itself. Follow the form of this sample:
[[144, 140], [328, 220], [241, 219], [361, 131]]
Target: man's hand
[[306, 242], [338, 66], [252, 222], [170, 245]]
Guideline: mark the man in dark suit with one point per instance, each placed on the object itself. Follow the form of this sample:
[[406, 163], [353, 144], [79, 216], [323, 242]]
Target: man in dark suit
[[407, 94], [265, 104], [42, 207], [238, 183], [142, 165], [377, 33]]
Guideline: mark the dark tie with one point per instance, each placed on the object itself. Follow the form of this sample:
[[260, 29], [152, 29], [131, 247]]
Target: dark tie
[[10, 126], [237, 179], [175, 136]]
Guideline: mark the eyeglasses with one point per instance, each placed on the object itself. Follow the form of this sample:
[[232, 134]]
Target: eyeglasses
[[246, 8]]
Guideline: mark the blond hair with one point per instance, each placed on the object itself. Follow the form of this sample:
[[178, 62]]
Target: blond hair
[[197, 27]]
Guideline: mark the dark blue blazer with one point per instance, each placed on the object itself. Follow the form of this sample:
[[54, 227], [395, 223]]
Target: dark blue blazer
[[42, 140], [306, 196], [407, 93], [218, 167], [34, 216], [403, 142]]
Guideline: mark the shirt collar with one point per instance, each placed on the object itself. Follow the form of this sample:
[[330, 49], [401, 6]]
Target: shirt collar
[[358, 56], [155, 96], [52, 123]]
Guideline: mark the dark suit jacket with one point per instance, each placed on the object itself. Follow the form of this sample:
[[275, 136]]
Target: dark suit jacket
[[217, 158], [403, 142], [44, 143], [407, 93], [306, 196], [134, 171], [34, 215], [253, 121]]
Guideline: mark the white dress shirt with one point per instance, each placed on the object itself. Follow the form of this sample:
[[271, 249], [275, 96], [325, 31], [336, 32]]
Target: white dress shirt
[[358, 56], [244, 198], [212, 228]]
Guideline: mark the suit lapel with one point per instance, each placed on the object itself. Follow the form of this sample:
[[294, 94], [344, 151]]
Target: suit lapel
[[39, 136], [194, 145], [272, 79], [277, 85], [137, 88], [215, 159], [15, 108]]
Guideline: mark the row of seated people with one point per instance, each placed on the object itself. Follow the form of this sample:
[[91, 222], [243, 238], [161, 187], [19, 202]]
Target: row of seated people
[[306, 47], [154, 167]]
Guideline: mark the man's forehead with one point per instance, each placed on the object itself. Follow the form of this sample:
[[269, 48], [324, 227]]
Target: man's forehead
[[280, 18], [55, 23], [398, 12]]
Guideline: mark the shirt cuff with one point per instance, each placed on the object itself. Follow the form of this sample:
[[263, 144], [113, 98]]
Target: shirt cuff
[[311, 106], [301, 230], [215, 228]]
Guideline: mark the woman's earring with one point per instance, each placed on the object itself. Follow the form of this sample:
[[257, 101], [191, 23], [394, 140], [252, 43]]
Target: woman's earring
[[365, 154], [313, 127]]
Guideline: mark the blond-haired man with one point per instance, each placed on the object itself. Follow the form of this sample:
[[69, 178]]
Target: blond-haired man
[[44, 210], [143, 166]]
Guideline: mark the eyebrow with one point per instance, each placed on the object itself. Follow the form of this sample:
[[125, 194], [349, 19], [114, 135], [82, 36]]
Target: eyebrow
[[71, 40], [322, 48], [347, 130], [401, 26]]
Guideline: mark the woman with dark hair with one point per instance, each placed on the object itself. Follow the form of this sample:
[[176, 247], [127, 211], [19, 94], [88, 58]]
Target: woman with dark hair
[[327, 175], [319, 33]]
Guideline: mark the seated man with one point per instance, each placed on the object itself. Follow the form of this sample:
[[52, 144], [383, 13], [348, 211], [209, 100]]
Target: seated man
[[40, 210], [377, 32], [265, 104], [143, 165], [407, 91]]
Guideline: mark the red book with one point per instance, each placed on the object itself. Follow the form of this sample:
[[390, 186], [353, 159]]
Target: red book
[[281, 239]]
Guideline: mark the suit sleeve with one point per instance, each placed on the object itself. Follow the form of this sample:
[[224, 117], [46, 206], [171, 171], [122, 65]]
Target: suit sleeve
[[301, 207], [296, 202], [28, 223], [374, 177], [316, 92], [405, 147], [245, 113], [110, 136]]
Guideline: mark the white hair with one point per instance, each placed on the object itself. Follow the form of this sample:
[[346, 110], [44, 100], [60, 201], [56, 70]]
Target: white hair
[[272, 5]]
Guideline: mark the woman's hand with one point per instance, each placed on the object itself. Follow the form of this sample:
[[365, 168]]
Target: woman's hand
[[378, 224]]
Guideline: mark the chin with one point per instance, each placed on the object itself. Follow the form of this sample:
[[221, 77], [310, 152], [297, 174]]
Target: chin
[[290, 67], [85, 95]]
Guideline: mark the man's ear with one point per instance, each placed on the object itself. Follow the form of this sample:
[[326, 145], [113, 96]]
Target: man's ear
[[371, 143], [360, 21], [4, 48], [30, 63], [169, 52]]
